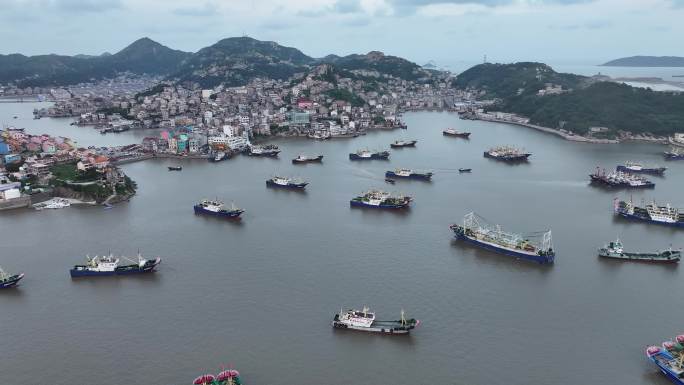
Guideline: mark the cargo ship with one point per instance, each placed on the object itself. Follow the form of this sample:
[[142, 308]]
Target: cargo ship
[[619, 179], [270, 150], [406, 173], [403, 143], [476, 231], [368, 155], [226, 377], [615, 250], [639, 168], [109, 265], [507, 154], [9, 280], [456, 133], [669, 363], [218, 209], [381, 200], [289, 183], [307, 159], [364, 321], [674, 154], [650, 212]]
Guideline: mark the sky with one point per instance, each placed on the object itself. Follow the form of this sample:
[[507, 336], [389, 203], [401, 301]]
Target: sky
[[450, 32]]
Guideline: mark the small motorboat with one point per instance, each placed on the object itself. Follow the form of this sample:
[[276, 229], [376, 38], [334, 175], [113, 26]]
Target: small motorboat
[[465, 170], [390, 180], [175, 168]]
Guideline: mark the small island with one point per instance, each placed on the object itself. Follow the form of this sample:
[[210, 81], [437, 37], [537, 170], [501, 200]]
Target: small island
[[646, 61]]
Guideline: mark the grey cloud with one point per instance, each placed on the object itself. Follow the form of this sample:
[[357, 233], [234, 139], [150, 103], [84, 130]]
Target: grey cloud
[[86, 5]]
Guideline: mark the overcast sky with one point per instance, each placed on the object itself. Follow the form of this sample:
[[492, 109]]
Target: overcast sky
[[447, 31]]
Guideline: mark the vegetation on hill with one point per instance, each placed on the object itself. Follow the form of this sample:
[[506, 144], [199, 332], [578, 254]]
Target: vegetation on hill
[[143, 56], [347, 96], [586, 103], [377, 61]]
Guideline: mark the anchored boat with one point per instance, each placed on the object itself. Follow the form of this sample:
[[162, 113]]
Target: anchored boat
[[651, 212], [226, 377], [639, 168], [289, 183], [615, 250], [218, 209], [9, 280], [476, 231], [462, 170], [619, 179], [365, 321], [109, 265], [670, 364], [270, 150], [403, 143], [507, 154], [368, 155], [381, 200], [674, 154], [408, 174], [218, 156], [307, 159], [456, 133], [175, 168]]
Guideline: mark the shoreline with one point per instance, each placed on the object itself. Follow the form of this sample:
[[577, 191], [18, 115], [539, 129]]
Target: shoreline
[[578, 138]]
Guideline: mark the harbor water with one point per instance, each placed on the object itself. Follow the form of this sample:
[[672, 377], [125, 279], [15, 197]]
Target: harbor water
[[260, 294]]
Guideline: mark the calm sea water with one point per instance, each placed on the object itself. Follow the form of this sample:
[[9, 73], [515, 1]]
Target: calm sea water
[[260, 294]]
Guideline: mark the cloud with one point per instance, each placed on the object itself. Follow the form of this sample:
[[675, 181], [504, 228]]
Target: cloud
[[86, 5], [203, 10]]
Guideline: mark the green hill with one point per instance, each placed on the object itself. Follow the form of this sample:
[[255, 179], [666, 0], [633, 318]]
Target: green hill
[[585, 104]]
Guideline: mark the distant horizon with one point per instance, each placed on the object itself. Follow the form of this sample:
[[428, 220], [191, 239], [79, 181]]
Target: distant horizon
[[580, 32]]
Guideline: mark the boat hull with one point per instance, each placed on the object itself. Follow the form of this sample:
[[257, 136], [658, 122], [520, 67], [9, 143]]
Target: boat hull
[[464, 135], [671, 376], [509, 159], [380, 156], [317, 159], [289, 186], [650, 171], [407, 144], [383, 206], [644, 258], [12, 281], [502, 250], [221, 214], [641, 218], [149, 267], [373, 329], [598, 180], [392, 174], [269, 154]]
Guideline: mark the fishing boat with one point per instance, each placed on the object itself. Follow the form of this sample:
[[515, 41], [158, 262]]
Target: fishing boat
[[456, 133], [650, 212], [639, 168], [619, 179], [226, 377], [9, 280], [175, 168], [403, 143], [674, 154], [615, 250], [319, 135], [381, 200], [507, 154], [368, 155], [476, 231], [307, 159], [218, 156], [288, 183], [390, 181], [109, 265], [408, 174], [668, 363], [270, 151], [218, 209], [462, 170], [54, 203], [364, 321]]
